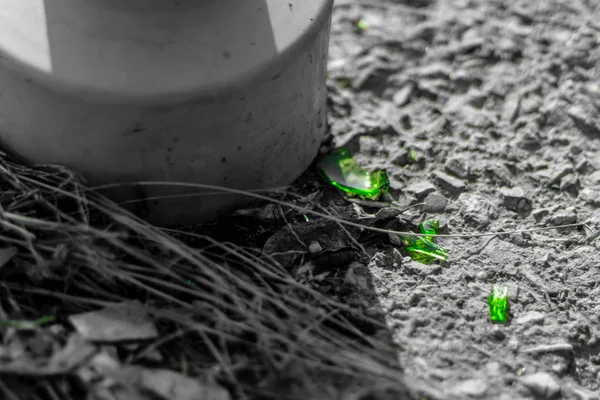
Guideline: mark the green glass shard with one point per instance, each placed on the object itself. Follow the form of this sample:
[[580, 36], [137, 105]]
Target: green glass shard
[[424, 250], [28, 325], [430, 227], [498, 302], [362, 24], [413, 155], [341, 170], [344, 83]]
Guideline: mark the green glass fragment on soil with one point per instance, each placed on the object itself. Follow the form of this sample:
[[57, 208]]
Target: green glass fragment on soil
[[498, 302], [413, 155], [27, 325], [341, 170], [424, 250], [362, 24], [430, 227]]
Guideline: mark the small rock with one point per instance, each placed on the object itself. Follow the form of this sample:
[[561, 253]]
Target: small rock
[[559, 368], [558, 175], [540, 213], [369, 145], [315, 247], [515, 199], [582, 394], [436, 70], [497, 333], [435, 203], [476, 99], [584, 120], [475, 388], [513, 345], [512, 104], [402, 158], [530, 104], [477, 118], [530, 318], [420, 189], [482, 276], [570, 184], [402, 96], [457, 167], [453, 185], [542, 384], [529, 142], [591, 196], [564, 217], [476, 210]]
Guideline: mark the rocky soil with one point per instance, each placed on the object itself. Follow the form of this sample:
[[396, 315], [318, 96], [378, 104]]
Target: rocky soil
[[488, 113]]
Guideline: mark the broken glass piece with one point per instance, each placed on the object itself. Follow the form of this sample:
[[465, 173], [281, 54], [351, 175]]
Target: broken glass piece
[[28, 325], [423, 250], [498, 302], [341, 170], [413, 155], [430, 227], [362, 24]]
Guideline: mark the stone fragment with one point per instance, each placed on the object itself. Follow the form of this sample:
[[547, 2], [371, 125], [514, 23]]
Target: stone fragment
[[420, 189], [530, 318], [558, 174], [512, 103], [435, 203], [452, 185], [529, 142], [564, 217], [570, 184], [402, 96], [542, 384], [540, 214], [457, 166], [497, 333], [473, 388], [314, 247], [515, 200], [436, 70], [403, 157], [591, 196], [583, 119], [476, 210]]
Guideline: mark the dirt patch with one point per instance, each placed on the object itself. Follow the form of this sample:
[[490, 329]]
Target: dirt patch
[[500, 103]]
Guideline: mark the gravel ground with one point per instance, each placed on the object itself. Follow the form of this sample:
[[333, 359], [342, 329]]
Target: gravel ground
[[499, 101]]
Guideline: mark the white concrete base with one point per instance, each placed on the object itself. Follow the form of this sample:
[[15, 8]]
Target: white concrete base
[[250, 134]]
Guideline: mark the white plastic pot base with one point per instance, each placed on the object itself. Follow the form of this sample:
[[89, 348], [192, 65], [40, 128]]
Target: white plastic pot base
[[257, 134]]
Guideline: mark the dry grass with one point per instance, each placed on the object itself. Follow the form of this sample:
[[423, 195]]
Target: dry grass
[[245, 321]]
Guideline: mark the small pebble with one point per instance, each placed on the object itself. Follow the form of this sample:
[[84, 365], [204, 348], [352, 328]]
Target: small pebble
[[497, 333], [482, 276], [435, 203], [474, 388], [515, 199], [530, 318], [315, 247], [542, 384], [449, 183]]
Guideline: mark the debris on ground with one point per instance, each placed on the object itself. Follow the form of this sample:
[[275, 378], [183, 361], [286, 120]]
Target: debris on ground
[[341, 170], [127, 321], [498, 304]]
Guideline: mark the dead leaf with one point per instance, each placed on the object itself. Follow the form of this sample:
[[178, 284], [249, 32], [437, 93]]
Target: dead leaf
[[163, 383], [170, 385], [128, 321], [6, 254], [72, 355]]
